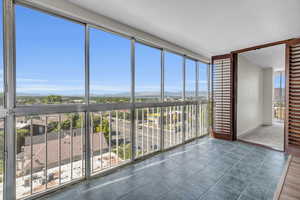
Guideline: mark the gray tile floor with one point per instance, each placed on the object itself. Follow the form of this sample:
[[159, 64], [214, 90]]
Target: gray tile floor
[[206, 169], [272, 136]]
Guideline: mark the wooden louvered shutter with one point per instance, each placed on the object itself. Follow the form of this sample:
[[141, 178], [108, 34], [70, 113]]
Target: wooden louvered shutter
[[222, 97], [292, 120]]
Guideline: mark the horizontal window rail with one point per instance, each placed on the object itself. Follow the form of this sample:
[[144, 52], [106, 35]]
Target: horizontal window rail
[[50, 149], [65, 108]]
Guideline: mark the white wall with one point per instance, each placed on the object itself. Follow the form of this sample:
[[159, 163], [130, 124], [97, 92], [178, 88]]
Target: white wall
[[267, 96], [250, 96]]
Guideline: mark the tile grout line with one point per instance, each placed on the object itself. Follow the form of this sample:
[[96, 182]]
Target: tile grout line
[[210, 188], [139, 169], [241, 194]]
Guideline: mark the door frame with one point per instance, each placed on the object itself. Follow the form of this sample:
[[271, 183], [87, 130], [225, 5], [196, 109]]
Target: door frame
[[234, 55]]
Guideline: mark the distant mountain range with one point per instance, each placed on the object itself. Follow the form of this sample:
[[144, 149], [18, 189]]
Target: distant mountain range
[[121, 94]]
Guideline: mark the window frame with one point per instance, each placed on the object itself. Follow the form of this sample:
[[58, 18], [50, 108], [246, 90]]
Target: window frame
[[10, 110]]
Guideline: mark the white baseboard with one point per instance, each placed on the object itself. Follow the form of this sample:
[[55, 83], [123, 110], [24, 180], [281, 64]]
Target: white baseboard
[[267, 124]]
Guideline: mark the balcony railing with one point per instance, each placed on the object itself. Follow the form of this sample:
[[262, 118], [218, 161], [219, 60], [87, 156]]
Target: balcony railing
[[278, 112], [51, 148]]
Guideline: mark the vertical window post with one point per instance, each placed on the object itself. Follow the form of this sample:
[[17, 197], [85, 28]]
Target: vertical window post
[[132, 100], [183, 77], [162, 98], [209, 96], [197, 98], [9, 68], [87, 142], [183, 98]]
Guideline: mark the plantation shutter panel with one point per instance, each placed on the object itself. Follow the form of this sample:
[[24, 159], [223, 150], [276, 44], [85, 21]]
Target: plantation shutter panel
[[292, 125], [222, 97]]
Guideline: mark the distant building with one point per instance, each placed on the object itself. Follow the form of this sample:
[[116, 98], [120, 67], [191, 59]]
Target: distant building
[[279, 94], [39, 150]]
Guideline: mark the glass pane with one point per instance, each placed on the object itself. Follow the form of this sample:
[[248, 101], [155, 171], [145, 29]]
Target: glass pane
[[190, 79], [203, 81], [147, 62], [50, 59], [147, 130], [109, 67], [110, 139], [173, 125], [173, 77], [279, 86], [49, 151], [279, 96]]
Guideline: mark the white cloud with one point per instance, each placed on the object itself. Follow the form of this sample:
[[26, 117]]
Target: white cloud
[[46, 88]]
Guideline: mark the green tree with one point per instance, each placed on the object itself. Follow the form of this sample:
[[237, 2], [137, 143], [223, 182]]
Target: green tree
[[52, 99], [21, 134], [76, 120], [66, 124], [121, 151], [105, 129]]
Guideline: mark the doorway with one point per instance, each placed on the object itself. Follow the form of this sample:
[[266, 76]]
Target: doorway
[[261, 96]]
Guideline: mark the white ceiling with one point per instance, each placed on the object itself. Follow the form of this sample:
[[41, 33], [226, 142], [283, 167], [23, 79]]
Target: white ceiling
[[267, 57], [208, 27]]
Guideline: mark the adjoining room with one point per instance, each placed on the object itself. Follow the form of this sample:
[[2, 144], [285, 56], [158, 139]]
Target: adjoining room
[[260, 101]]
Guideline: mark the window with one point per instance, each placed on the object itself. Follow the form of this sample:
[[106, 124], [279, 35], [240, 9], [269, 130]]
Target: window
[[203, 81], [49, 59], [173, 77], [110, 139], [190, 79], [279, 94], [110, 74], [49, 151], [148, 67]]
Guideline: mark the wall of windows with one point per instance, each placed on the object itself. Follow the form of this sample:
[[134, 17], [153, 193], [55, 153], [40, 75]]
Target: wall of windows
[[50, 65], [57, 144]]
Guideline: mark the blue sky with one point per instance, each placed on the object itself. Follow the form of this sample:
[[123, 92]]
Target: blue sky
[[50, 60], [277, 81]]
